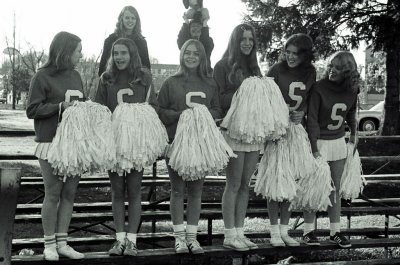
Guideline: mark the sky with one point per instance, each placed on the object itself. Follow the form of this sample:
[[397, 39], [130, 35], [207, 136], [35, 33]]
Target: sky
[[37, 21]]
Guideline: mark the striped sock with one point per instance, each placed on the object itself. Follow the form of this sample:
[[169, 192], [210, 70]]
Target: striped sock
[[179, 231], [61, 239], [50, 241], [131, 237], [191, 232]]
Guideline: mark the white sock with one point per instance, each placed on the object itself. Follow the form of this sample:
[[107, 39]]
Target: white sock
[[335, 228], [230, 233], [308, 227], [120, 236], [179, 231], [61, 239], [131, 237], [240, 232], [274, 230], [191, 232], [50, 241], [284, 230]]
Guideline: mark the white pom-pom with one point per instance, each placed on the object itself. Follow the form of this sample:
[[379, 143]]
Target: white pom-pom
[[140, 136], [83, 141], [275, 179], [198, 149], [314, 189], [352, 183], [258, 112]]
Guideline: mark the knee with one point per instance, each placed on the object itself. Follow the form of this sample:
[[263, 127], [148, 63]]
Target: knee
[[232, 187], [195, 192], [177, 193], [69, 195], [243, 188], [52, 197]]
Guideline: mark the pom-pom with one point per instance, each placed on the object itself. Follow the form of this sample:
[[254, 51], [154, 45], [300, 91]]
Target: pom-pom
[[199, 149], [84, 140], [258, 112], [314, 189], [284, 162], [140, 136], [352, 183], [275, 179]]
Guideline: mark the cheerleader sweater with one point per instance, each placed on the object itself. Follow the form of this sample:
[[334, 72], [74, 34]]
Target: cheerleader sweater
[[129, 92], [141, 45], [329, 106], [225, 87], [294, 83], [47, 89], [173, 96]]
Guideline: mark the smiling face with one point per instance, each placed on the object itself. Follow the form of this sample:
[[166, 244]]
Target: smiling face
[[336, 71], [247, 42], [121, 56], [77, 54], [191, 57], [292, 56], [129, 20]]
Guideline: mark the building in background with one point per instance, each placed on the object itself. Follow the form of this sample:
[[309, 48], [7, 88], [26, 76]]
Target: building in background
[[161, 72]]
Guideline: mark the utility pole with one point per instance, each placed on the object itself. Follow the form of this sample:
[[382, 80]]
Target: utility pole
[[13, 68]]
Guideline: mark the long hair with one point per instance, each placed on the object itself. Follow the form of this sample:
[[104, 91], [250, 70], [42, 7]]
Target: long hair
[[304, 45], [60, 52], [346, 59], [135, 69], [236, 57], [202, 69], [120, 28]]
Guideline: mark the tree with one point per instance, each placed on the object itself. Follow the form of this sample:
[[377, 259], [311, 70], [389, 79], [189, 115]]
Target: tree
[[88, 68], [336, 25]]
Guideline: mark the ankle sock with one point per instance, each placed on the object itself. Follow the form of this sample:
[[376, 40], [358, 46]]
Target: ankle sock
[[61, 239]]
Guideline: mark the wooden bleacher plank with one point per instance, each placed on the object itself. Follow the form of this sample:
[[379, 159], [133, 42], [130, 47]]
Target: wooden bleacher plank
[[371, 232], [159, 255]]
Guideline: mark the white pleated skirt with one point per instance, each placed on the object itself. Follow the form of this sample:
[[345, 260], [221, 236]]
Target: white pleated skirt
[[239, 146], [41, 151], [332, 150]]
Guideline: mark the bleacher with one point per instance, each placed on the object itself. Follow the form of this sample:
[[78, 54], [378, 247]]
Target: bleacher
[[375, 155]]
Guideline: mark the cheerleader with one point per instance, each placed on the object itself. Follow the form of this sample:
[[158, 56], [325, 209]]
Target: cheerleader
[[295, 75], [332, 102], [191, 85], [238, 62], [52, 90], [125, 81]]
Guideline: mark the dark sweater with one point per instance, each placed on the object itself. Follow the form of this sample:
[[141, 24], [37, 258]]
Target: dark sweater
[[294, 83], [225, 87], [172, 99], [108, 94], [329, 106], [140, 43], [46, 91], [205, 39]]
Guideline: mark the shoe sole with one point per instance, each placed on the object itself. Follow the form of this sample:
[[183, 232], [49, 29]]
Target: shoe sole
[[292, 244], [197, 252], [115, 254], [312, 244], [237, 249], [130, 254], [278, 245]]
